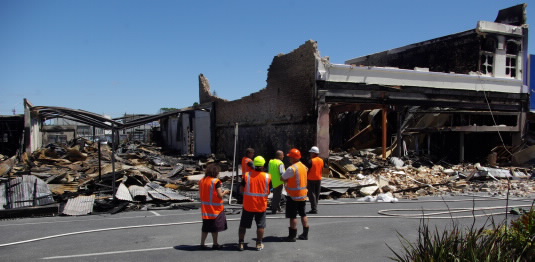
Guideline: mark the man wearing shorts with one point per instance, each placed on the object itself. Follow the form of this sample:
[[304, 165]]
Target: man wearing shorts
[[255, 187], [296, 187]]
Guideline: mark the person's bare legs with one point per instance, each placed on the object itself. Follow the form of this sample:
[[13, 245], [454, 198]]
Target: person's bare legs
[[241, 234], [214, 238], [293, 223], [203, 237], [259, 234], [304, 221]]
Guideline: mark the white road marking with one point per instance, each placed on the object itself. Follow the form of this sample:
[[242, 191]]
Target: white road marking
[[155, 213], [109, 253], [105, 229], [97, 219], [114, 252]]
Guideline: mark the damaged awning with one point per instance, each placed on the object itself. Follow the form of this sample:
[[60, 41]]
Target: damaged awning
[[382, 85], [402, 77], [96, 120]]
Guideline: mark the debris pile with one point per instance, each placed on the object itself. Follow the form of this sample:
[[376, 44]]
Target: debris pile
[[88, 177], [82, 175], [412, 177]]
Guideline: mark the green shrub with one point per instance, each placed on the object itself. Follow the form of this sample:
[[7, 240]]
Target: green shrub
[[500, 243], [522, 235]]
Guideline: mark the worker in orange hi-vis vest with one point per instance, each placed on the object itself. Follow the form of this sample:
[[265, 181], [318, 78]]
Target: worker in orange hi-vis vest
[[255, 186], [295, 178], [314, 177], [247, 161], [246, 166], [212, 207]]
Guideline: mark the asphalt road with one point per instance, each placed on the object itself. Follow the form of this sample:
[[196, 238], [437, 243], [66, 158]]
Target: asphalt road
[[343, 231]]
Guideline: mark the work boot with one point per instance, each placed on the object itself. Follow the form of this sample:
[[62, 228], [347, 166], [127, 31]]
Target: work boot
[[259, 246], [304, 236], [292, 234]]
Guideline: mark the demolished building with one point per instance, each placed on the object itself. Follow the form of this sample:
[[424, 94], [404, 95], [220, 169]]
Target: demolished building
[[458, 97], [454, 98]]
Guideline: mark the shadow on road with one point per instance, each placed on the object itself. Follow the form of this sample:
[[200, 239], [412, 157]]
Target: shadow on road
[[230, 246], [274, 239], [224, 247]]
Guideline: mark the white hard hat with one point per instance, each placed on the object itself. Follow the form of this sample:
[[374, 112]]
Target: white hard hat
[[314, 149]]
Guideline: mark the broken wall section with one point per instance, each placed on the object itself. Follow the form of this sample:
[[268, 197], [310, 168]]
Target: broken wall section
[[492, 49], [457, 53], [280, 116], [11, 130]]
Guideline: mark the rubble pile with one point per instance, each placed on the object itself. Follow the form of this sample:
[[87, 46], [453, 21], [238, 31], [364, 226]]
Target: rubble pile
[[412, 177], [86, 177], [143, 177]]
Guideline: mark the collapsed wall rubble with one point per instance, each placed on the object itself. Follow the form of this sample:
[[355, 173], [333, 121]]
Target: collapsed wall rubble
[[413, 177], [141, 177]]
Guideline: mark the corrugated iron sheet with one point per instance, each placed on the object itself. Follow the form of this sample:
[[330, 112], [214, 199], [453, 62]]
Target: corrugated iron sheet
[[155, 194], [163, 193], [494, 172], [338, 185], [123, 193], [137, 191], [78, 206], [24, 191]]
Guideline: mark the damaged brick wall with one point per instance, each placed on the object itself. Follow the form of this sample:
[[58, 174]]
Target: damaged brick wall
[[280, 116], [457, 53], [205, 92]]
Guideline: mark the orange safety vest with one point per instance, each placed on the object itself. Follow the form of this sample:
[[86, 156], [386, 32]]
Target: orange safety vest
[[315, 172], [296, 186], [244, 165], [256, 191], [211, 203]]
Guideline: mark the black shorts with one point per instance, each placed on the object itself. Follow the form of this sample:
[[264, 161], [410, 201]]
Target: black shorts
[[295, 207], [246, 220], [215, 225]]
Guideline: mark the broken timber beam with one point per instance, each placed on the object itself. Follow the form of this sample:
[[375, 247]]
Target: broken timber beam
[[367, 128]]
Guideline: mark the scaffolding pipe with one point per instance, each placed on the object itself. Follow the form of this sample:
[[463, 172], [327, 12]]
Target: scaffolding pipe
[[385, 133]]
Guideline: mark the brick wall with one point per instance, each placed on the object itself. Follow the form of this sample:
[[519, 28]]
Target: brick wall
[[280, 116]]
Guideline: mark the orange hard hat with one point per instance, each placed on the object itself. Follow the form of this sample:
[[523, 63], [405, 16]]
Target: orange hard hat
[[294, 153]]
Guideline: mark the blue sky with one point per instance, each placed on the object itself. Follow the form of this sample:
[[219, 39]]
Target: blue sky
[[114, 57]]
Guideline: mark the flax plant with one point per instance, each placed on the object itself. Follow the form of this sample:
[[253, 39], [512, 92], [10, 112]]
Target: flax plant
[[491, 242]]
